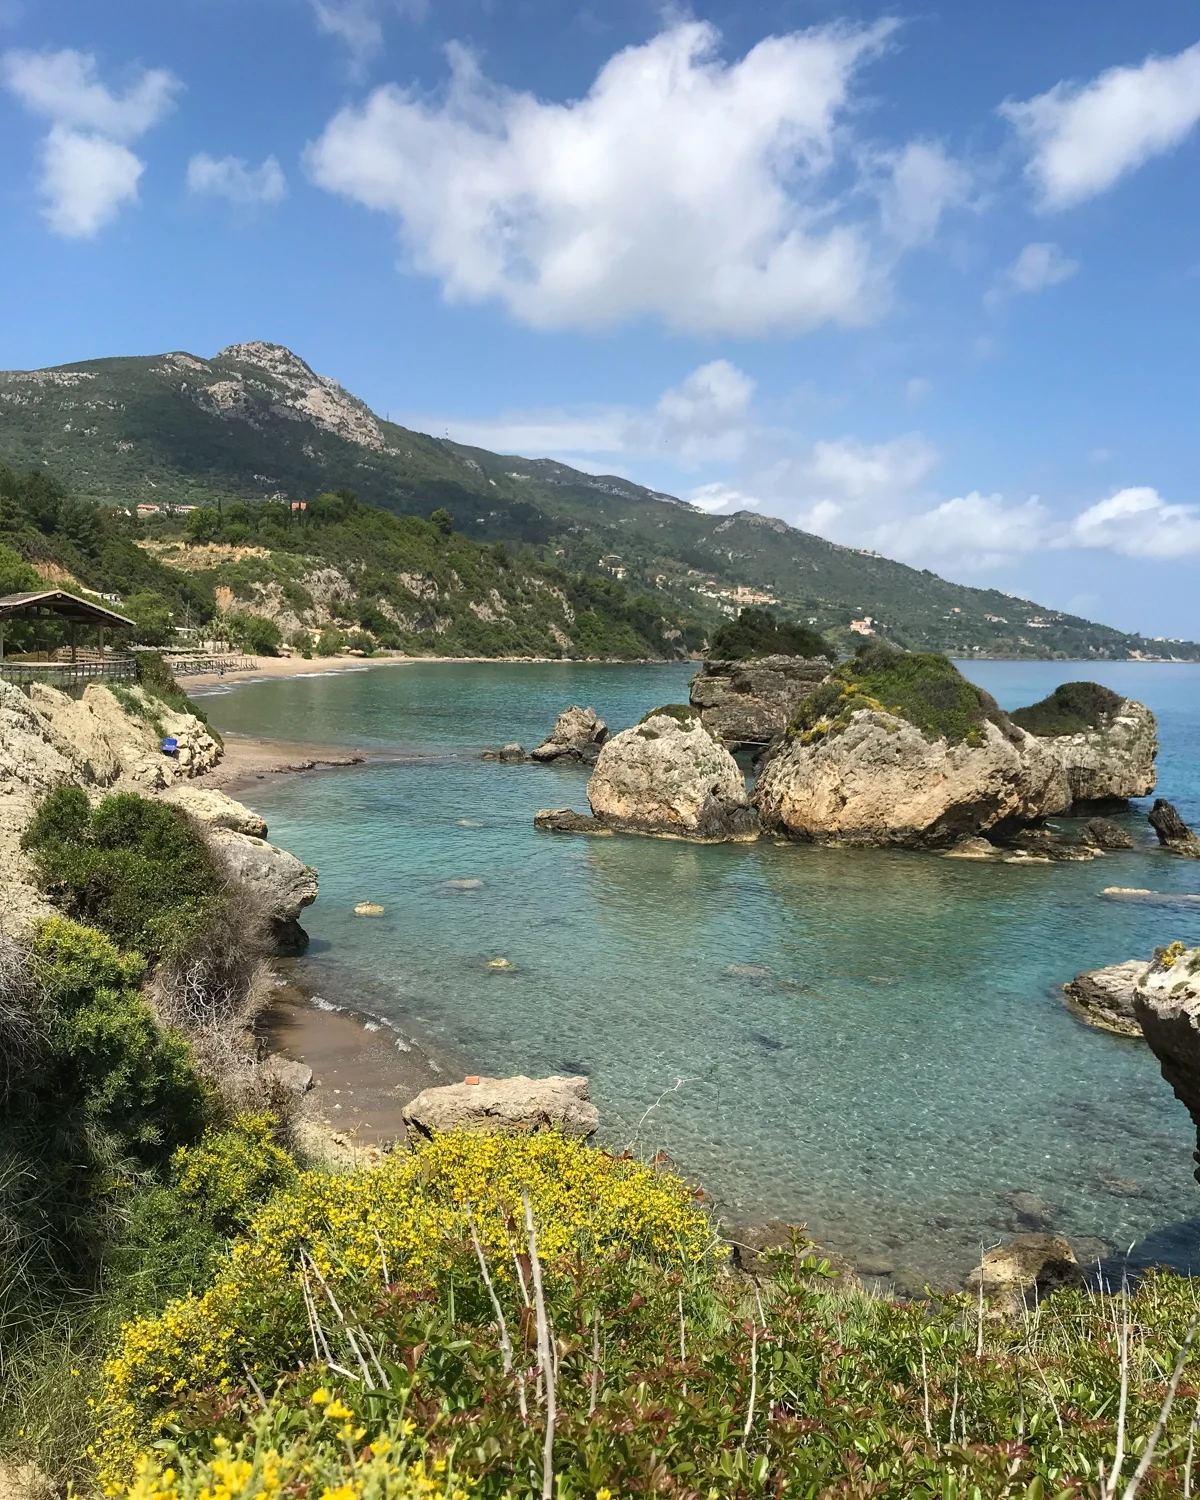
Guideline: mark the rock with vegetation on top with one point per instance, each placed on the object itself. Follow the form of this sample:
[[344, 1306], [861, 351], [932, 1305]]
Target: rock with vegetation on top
[[281, 882], [751, 702], [505, 1104], [1027, 1268], [899, 748], [1173, 833], [577, 735], [1167, 1006], [216, 810], [1104, 997], [1107, 744], [668, 776]]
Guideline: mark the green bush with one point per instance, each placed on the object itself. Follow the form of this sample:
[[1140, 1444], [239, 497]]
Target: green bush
[[152, 618], [924, 688], [134, 868], [683, 714], [757, 632], [1072, 708], [256, 633], [331, 641]]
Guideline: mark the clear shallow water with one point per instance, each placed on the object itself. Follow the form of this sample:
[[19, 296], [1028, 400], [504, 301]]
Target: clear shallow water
[[870, 1041]]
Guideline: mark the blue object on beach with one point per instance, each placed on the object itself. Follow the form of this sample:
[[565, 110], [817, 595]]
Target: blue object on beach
[[170, 746]]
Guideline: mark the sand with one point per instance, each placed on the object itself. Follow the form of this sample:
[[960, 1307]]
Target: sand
[[270, 667]]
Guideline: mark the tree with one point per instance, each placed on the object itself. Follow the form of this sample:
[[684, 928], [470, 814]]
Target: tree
[[151, 616], [256, 633], [444, 521], [203, 525]]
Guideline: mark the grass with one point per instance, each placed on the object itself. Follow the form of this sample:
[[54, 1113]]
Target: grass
[[1072, 708]]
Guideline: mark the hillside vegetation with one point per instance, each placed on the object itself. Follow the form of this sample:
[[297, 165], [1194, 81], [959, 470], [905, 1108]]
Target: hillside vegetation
[[256, 424]]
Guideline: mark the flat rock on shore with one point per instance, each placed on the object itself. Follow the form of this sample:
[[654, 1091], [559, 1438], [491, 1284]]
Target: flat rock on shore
[[519, 1104]]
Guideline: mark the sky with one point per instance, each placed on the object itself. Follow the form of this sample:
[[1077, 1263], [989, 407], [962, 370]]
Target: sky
[[922, 280]]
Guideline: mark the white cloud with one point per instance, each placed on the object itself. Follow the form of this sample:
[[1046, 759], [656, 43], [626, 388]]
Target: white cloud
[[1138, 522], [976, 531], [1038, 266], [88, 171], [680, 186], [230, 177], [64, 88], [1085, 137], [847, 470], [917, 389], [357, 24], [85, 181]]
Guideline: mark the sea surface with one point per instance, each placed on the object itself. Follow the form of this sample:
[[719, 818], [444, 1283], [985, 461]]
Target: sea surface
[[871, 1042]]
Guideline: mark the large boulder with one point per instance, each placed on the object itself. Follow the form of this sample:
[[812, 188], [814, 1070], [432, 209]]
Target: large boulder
[[278, 880], [216, 810], [1167, 1006], [1104, 997], [880, 780], [668, 776], [1107, 744], [1173, 833], [751, 702], [1028, 1267], [484, 1106], [577, 735]]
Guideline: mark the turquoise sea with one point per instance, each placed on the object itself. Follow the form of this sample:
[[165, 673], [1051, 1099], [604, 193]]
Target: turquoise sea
[[867, 1041]]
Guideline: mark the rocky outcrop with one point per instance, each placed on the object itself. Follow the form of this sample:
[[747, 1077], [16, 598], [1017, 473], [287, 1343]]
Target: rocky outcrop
[[1167, 1006], [751, 702], [277, 879], [577, 735], [517, 1105], [215, 810], [512, 755], [1027, 1268], [1112, 762], [880, 781], [668, 776], [1104, 997], [567, 820], [1173, 833], [1105, 834]]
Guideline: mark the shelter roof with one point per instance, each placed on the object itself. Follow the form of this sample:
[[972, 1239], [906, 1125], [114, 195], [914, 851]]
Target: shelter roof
[[61, 605]]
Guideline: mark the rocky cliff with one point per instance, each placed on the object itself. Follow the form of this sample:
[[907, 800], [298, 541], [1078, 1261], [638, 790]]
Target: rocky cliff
[[1107, 744], [751, 702], [1167, 1004]]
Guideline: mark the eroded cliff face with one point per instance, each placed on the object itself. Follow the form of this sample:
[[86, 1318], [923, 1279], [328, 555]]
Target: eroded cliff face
[[668, 776], [1167, 1004], [1114, 762], [880, 781], [750, 702]]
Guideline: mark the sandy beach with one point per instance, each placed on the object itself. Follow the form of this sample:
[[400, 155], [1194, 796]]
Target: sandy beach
[[270, 667]]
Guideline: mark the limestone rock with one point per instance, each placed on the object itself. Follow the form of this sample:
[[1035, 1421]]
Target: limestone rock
[[750, 702], [1173, 833], [278, 879], [1106, 834], [512, 753], [577, 735], [1104, 997], [668, 776], [1028, 1267], [514, 1105], [1113, 762], [295, 1077], [566, 820], [215, 809], [880, 781], [1167, 1005]]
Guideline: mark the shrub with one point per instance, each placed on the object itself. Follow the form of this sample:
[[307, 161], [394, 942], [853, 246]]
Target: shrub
[[757, 632], [330, 641], [1072, 708], [924, 688], [134, 868], [203, 524], [682, 713], [256, 633], [151, 616]]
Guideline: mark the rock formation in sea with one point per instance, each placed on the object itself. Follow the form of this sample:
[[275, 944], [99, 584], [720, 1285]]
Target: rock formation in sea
[[899, 748], [577, 735], [1167, 1005], [1105, 834], [668, 776], [1104, 997], [1107, 744], [751, 702], [1173, 833], [484, 1106]]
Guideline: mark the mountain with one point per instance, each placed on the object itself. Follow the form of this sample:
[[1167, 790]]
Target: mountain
[[256, 424]]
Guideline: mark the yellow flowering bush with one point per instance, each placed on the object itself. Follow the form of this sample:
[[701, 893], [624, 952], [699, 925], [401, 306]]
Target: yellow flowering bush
[[232, 1171], [402, 1227]]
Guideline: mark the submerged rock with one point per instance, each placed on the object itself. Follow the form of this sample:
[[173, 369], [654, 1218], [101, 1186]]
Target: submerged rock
[[668, 776], [1104, 997], [516, 1105], [879, 780], [1107, 744], [1167, 1006], [1032, 1210], [1173, 833], [751, 702], [577, 735], [567, 820]]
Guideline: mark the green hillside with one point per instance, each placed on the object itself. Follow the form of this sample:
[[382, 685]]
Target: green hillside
[[256, 424]]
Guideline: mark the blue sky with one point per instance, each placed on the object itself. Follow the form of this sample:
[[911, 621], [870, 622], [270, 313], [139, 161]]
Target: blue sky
[[923, 280]]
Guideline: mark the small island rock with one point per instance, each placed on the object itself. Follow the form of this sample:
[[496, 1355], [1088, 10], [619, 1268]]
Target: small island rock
[[1173, 833], [516, 1105], [1104, 997], [577, 735], [668, 776]]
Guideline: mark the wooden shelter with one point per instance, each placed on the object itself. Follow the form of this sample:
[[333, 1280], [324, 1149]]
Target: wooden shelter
[[56, 604]]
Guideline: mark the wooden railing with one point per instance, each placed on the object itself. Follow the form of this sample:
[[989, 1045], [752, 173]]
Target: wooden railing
[[193, 666], [69, 676]]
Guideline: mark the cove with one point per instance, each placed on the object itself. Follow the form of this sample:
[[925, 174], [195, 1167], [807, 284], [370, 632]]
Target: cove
[[867, 1041]]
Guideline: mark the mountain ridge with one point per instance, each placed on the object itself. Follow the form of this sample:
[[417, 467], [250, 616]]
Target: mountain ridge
[[256, 423]]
